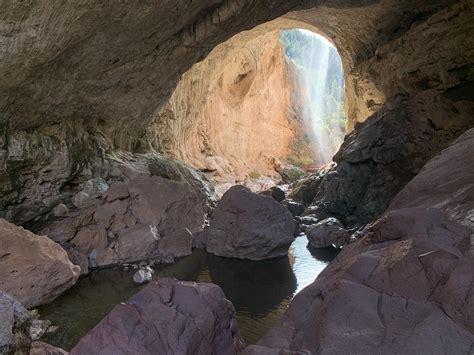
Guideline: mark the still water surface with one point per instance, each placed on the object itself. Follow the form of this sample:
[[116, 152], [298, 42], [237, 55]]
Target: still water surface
[[260, 290]]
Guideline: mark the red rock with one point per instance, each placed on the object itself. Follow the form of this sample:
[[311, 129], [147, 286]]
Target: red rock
[[167, 317], [403, 288], [33, 269]]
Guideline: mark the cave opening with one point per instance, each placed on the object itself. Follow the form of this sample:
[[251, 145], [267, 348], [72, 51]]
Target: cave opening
[[263, 108], [317, 95]]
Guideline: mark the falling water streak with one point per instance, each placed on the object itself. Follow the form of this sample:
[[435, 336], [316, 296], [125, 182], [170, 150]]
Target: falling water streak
[[319, 56]]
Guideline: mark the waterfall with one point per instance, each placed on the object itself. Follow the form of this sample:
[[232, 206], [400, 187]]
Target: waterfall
[[319, 83]]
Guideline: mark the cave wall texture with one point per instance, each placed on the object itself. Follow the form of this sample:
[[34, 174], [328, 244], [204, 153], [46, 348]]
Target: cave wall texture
[[231, 113], [80, 79]]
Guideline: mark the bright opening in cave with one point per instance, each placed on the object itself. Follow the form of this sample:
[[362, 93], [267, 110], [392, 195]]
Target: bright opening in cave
[[318, 96]]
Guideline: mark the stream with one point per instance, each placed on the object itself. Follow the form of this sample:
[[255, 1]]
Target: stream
[[260, 290]]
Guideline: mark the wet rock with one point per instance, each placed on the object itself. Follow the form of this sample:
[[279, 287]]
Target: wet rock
[[276, 192], [249, 226], [200, 239], [15, 321], [295, 208], [143, 275], [306, 220], [304, 190], [290, 173], [374, 163], [326, 233], [41, 348], [403, 288], [33, 269], [173, 316], [38, 327]]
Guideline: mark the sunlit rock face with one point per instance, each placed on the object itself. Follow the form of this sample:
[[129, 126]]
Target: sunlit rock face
[[81, 80], [230, 114]]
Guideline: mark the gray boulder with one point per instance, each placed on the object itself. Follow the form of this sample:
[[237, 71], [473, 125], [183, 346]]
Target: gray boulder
[[143, 275], [15, 321], [326, 233]]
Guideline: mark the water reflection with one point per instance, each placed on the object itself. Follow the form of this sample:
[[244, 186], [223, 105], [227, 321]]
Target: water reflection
[[260, 290], [254, 286]]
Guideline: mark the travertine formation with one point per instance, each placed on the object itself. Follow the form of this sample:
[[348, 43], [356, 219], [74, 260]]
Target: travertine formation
[[70, 93], [83, 89], [231, 113]]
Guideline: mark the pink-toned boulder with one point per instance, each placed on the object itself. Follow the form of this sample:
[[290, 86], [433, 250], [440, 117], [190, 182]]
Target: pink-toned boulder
[[249, 226], [33, 269], [445, 182], [167, 317], [406, 287], [142, 218]]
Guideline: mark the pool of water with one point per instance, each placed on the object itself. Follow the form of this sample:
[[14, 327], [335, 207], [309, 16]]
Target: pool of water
[[260, 290]]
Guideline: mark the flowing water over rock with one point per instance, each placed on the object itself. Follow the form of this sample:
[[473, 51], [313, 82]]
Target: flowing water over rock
[[260, 290], [317, 73]]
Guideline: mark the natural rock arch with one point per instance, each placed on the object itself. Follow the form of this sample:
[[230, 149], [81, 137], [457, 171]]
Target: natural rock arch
[[111, 66], [85, 79]]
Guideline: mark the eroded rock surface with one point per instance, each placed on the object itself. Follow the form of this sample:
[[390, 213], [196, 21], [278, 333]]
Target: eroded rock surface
[[151, 210], [238, 95], [33, 268], [249, 226], [403, 288], [167, 316]]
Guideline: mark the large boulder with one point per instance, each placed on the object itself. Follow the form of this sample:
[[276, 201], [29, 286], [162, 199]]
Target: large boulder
[[33, 269], [249, 226], [377, 159], [326, 233], [403, 288], [15, 321], [151, 210], [167, 317]]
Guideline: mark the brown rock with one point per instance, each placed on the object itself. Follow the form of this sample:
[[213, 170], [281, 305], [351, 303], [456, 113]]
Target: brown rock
[[204, 113], [249, 226], [167, 316], [33, 269], [144, 217]]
